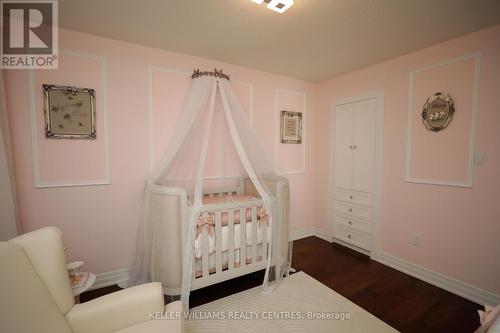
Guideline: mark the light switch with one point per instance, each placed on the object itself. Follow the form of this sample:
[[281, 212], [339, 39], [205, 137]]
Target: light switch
[[479, 159]]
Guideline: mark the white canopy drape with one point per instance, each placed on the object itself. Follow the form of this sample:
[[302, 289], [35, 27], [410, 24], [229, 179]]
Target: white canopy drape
[[211, 109]]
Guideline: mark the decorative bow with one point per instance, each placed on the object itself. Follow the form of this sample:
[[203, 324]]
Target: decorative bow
[[206, 219], [263, 217]]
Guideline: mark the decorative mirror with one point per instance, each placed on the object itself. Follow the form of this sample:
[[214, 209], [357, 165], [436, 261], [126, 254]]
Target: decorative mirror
[[438, 112]]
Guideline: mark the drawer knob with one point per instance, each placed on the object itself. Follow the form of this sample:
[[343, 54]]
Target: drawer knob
[[349, 236], [350, 197], [350, 222], [350, 210]]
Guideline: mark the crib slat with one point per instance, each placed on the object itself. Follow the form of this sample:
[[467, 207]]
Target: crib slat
[[243, 237], [230, 239], [218, 242], [254, 235], [204, 252], [263, 229]]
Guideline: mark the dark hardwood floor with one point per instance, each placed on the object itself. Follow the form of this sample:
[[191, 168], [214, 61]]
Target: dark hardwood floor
[[404, 302]]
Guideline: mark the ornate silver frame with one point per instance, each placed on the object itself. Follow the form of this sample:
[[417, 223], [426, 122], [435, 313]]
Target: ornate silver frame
[[432, 119], [293, 115], [50, 131]]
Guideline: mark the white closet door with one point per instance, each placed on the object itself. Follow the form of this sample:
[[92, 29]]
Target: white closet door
[[344, 122], [364, 145]]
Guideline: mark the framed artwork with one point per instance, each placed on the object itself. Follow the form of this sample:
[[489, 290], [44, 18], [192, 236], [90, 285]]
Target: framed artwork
[[291, 127], [438, 112], [69, 112]]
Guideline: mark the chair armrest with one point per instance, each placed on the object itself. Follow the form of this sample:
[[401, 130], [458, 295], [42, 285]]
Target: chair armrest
[[176, 308], [118, 310], [171, 322]]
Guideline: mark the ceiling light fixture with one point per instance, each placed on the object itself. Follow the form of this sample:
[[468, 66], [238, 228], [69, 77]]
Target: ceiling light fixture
[[279, 6]]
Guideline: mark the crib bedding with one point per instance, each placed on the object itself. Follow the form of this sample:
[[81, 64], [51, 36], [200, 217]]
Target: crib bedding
[[225, 237], [209, 217]]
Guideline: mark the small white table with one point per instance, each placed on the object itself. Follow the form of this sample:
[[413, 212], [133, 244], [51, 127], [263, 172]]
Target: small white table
[[78, 291]]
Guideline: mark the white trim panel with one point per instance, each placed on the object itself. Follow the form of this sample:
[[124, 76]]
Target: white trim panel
[[34, 131], [472, 139], [277, 133]]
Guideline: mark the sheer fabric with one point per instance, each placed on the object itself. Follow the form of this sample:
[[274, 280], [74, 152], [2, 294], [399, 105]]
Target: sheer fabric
[[211, 111]]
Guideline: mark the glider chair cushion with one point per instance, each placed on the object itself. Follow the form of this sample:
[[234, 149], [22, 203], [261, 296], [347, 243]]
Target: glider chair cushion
[[36, 296], [45, 250], [26, 304]]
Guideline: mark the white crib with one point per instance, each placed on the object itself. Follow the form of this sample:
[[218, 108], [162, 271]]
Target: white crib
[[238, 261], [219, 263]]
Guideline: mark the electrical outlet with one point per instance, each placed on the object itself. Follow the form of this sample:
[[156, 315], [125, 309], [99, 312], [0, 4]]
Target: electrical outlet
[[479, 159], [415, 240]]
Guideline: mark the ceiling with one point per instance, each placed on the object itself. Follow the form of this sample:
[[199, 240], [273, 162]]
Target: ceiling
[[314, 40]]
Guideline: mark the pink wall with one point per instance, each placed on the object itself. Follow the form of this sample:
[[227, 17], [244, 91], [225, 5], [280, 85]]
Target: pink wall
[[459, 227], [99, 222], [459, 236]]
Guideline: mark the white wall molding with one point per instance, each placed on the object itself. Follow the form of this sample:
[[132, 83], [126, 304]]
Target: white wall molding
[[34, 130], [150, 107], [277, 125], [111, 278], [443, 281], [378, 166], [151, 112], [250, 102], [352, 247], [472, 137], [308, 232]]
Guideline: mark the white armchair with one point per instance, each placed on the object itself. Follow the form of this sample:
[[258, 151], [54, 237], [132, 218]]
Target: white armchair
[[35, 295]]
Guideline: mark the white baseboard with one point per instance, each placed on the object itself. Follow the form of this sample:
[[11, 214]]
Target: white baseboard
[[110, 278], [445, 282], [106, 279], [308, 232], [352, 247]]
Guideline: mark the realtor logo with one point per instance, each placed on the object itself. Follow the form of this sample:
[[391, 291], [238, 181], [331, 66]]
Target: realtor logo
[[29, 35]]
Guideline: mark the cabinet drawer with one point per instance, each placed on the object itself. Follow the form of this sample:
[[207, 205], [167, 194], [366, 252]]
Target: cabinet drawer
[[360, 198], [353, 223], [353, 237], [352, 210]]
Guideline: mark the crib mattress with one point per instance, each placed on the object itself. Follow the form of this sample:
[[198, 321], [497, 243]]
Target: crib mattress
[[225, 261]]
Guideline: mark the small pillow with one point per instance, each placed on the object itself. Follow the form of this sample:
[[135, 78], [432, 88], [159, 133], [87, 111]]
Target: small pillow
[[490, 319]]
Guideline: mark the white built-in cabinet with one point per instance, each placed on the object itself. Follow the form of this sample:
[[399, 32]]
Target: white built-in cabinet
[[354, 164]]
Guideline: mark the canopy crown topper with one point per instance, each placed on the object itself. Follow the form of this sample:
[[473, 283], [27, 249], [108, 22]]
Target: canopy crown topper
[[216, 73], [438, 112]]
